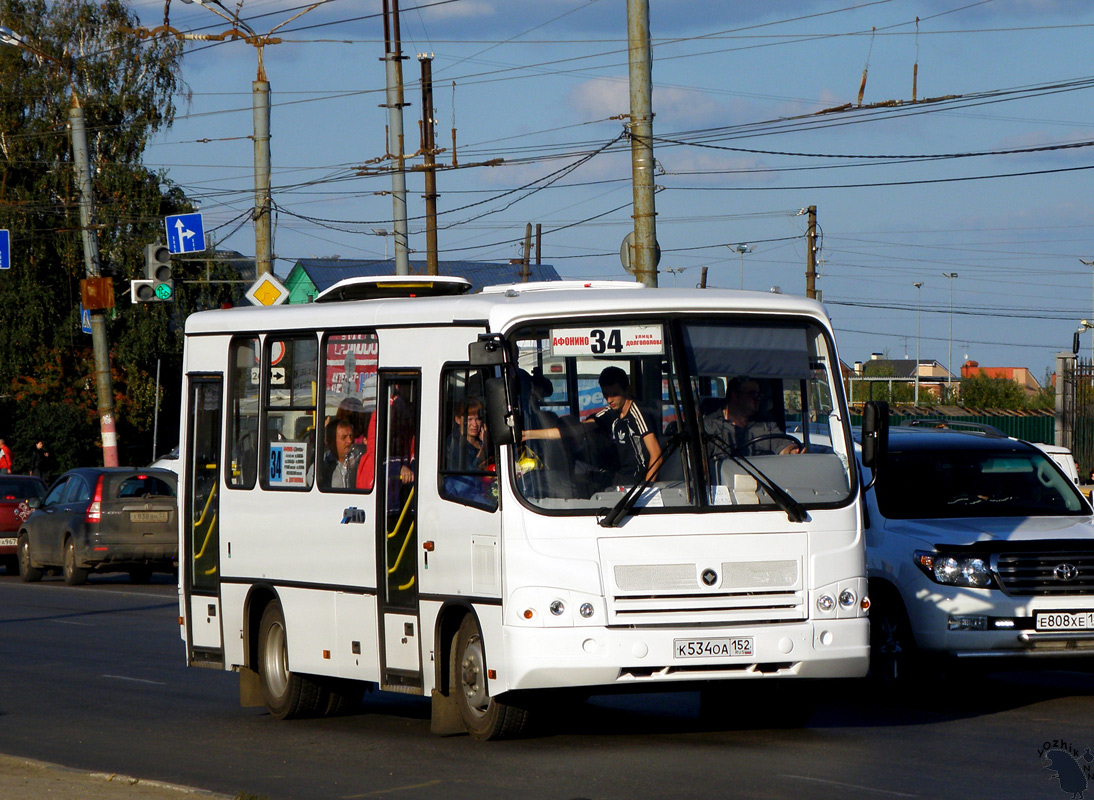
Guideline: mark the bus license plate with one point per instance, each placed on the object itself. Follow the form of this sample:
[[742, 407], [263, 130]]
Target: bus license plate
[[707, 648], [148, 516], [1065, 621]]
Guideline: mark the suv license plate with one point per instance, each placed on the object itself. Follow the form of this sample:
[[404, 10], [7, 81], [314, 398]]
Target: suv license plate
[[7, 542], [707, 648], [1065, 621], [148, 516]]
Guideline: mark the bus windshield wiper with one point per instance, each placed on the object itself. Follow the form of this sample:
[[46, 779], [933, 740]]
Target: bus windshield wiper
[[795, 511], [625, 503]]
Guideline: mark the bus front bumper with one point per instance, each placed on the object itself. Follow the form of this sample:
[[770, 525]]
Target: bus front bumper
[[546, 658]]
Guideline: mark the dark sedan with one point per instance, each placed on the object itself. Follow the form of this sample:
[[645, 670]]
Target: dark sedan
[[15, 492], [96, 519]]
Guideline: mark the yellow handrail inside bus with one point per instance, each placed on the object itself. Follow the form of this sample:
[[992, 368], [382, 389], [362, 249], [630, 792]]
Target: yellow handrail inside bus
[[402, 514], [208, 537], [399, 558]]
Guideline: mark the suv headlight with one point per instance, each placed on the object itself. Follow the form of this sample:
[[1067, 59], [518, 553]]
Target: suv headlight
[[955, 569]]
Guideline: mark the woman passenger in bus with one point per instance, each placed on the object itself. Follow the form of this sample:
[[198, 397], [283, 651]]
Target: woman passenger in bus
[[467, 450]]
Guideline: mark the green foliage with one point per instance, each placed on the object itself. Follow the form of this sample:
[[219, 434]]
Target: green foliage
[[984, 391], [126, 87]]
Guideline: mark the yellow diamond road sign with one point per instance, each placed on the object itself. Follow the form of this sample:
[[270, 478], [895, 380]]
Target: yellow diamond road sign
[[267, 291]]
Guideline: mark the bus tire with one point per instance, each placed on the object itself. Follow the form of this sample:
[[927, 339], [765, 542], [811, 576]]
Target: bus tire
[[286, 693], [343, 696], [484, 716], [27, 571]]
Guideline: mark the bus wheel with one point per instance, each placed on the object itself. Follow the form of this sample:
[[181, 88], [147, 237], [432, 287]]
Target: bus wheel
[[27, 571], [483, 716], [286, 694]]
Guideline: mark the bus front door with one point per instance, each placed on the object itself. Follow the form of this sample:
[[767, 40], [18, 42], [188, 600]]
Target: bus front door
[[398, 396], [199, 567]]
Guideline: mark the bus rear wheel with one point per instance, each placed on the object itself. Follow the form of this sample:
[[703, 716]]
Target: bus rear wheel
[[484, 716], [286, 693]]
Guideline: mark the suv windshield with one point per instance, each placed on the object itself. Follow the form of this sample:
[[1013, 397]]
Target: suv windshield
[[944, 483], [711, 413]]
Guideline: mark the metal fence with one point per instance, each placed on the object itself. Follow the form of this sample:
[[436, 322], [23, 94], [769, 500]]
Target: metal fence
[[1077, 407], [1030, 427]]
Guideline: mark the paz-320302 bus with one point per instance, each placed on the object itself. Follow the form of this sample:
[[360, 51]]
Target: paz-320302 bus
[[419, 493]]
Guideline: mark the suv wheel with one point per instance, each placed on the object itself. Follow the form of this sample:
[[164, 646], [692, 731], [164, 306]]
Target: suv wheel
[[74, 575]]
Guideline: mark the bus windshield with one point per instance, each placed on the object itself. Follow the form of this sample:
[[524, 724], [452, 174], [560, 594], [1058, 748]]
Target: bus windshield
[[725, 415]]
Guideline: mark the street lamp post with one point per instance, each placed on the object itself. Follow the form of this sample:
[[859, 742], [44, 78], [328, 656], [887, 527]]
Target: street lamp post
[[741, 249], [949, 361], [104, 388], [918, 309]]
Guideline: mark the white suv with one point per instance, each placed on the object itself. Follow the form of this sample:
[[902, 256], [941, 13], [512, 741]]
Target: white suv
[[977, 545]]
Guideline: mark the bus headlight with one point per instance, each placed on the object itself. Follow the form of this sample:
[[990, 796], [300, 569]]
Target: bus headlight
[[586, 610], [826, 603], [847, 598], [557, 608]]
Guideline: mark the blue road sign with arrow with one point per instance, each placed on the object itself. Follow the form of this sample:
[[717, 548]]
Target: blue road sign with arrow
[[185, 233], [5, 250], [85, 319]]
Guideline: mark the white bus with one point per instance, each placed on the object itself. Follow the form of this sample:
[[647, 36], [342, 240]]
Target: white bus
[[412, 493]]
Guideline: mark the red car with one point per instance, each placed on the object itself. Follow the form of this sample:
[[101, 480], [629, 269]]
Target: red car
[[15, 490]]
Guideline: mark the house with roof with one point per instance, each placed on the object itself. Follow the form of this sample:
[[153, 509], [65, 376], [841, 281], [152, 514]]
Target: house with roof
[[933, 377], [310, 276], [1020, 375]]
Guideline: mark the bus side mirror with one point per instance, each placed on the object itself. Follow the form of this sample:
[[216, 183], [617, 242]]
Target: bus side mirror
[[875, 434], [500, 419], [488, 351]]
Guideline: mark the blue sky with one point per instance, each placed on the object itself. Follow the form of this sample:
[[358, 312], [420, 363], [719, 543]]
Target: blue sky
[[991, 182]]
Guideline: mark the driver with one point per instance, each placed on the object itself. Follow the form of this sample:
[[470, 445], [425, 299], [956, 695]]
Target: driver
[[736, 425]]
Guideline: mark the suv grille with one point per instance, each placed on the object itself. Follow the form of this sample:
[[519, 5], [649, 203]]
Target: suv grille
[[1046, 573]]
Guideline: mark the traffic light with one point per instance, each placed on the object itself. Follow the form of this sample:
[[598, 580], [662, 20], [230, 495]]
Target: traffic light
[[157, 266], [158, 285]]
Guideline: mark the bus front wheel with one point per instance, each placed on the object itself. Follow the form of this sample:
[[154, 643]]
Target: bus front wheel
[[286, 694], [484, 716]]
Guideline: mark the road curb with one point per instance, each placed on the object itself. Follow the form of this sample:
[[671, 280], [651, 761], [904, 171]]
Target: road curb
[[30, 779]]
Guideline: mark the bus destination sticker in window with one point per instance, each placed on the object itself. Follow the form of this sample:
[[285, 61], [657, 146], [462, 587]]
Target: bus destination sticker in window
[[607, 340], [288, 464]]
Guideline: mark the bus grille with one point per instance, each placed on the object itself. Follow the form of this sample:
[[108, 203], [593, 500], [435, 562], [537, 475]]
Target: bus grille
[[741, 592], [1070, 573]]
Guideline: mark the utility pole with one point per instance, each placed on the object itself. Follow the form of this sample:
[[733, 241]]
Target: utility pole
[[393, 60], [260, 97], [525, 269], [428, 141], [104, 388], [811, 253], [539, 241], [644, 255]]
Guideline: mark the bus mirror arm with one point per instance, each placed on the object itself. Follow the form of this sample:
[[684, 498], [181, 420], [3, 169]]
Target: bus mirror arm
[[501, 420], [875, 437]]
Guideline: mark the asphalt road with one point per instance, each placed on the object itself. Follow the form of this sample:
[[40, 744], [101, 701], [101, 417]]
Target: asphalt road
[[93, 678]]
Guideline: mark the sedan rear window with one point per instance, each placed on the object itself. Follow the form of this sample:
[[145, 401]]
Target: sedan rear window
[[145, 486]]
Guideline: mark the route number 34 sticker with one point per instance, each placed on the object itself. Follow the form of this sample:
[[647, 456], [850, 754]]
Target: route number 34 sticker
[[604, 340]]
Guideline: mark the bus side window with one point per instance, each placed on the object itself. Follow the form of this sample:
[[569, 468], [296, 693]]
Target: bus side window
[[467, 461], [291, 366], [346, 459], [242, 439]]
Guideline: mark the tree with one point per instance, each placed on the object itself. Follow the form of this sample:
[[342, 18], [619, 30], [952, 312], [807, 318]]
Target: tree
[[127, 88], [984, 391]]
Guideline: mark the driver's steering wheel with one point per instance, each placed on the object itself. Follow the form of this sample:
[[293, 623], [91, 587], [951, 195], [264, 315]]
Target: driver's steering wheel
[[794, 443]]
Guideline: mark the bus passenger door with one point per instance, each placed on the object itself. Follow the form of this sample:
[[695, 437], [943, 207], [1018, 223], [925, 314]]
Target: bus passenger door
[[200, 557], [397, 404]]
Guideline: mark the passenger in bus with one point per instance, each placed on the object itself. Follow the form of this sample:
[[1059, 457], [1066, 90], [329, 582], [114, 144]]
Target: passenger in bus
[[342, 457], [733, 428], [467, 450], [637, 452]]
